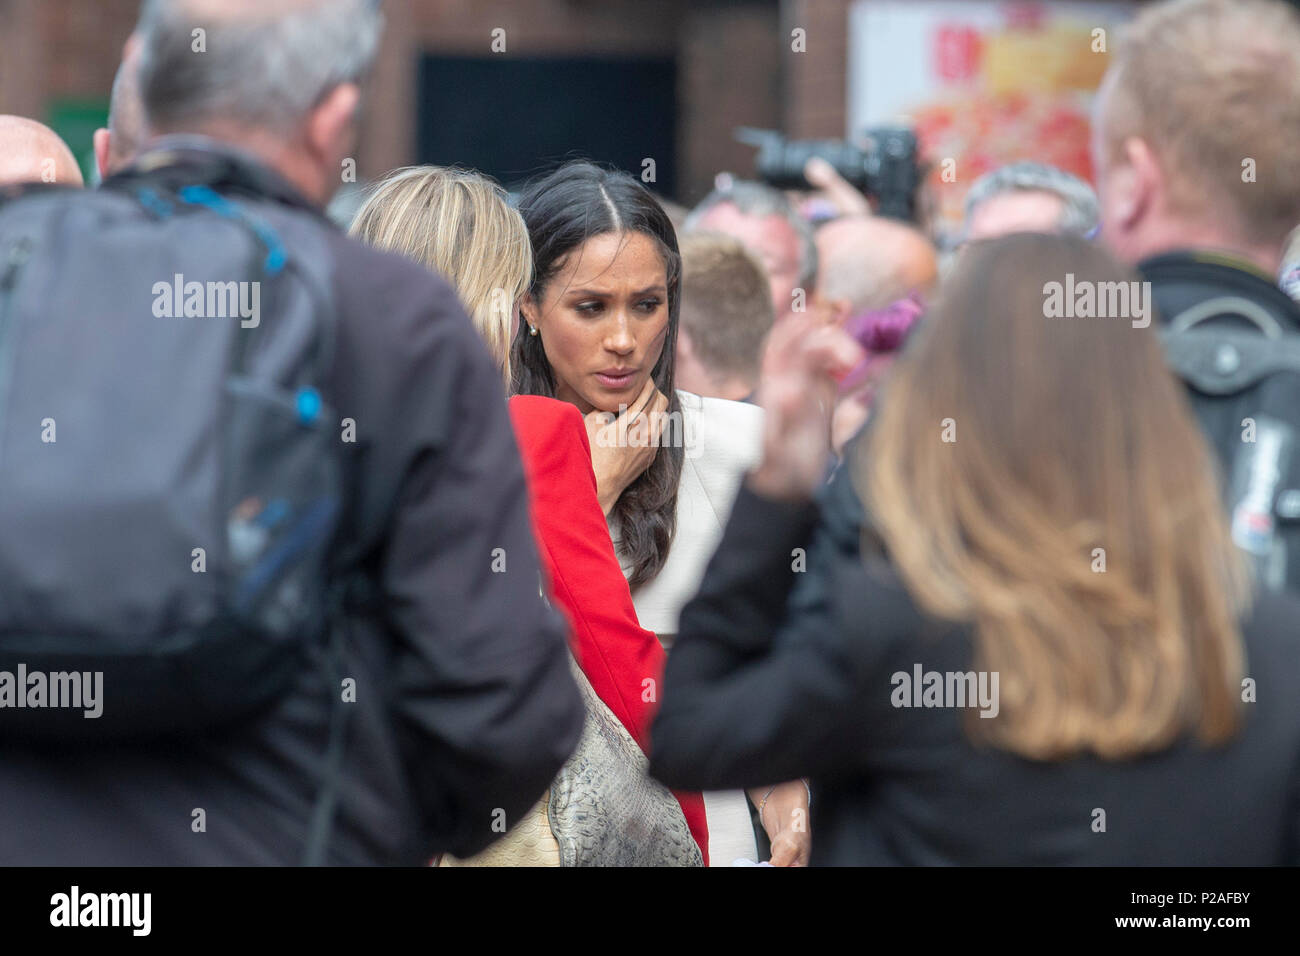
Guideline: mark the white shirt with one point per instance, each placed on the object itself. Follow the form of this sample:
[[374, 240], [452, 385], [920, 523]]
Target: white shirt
[[723, 441]]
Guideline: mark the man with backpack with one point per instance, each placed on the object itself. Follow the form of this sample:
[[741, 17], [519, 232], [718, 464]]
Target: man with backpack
[[258, 490], [1197, 152]]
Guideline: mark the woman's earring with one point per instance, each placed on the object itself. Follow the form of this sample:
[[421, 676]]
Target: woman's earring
[[532, 330]]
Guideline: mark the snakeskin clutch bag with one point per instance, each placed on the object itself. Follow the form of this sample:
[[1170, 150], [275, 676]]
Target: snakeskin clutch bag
[[605, 810], [602, 809]]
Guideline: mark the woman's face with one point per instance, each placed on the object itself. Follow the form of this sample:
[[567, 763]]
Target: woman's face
[[603, 320]]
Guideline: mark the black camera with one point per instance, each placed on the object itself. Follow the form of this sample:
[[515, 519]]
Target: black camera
[[884, 165]]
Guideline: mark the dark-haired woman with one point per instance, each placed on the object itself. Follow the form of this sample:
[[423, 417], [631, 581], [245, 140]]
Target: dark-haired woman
[[1055, 661], [460, 224], [601, 328]]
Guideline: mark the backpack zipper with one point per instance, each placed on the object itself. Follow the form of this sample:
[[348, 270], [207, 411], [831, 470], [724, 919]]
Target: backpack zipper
[[19, 251]]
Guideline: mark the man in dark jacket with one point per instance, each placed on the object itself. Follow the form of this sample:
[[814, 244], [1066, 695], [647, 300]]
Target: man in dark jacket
[[463, 707], [1197, 152]]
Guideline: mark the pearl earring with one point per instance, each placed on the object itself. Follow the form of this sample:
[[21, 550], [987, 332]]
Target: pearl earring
[[532, 330]]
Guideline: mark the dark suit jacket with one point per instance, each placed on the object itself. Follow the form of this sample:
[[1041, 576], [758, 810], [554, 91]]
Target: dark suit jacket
[[759, 689]]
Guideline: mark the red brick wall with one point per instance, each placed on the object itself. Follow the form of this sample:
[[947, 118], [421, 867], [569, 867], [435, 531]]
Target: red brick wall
[[815, 95], [729, 75], [51, 49], [735, 66]]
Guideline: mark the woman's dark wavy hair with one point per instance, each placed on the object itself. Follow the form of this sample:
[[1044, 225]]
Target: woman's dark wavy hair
[[563, 209]]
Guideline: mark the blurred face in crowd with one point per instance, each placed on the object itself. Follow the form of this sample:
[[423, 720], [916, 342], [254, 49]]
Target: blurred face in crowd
[[868, 262], [770, 239], [1020, 210], [603, 320]]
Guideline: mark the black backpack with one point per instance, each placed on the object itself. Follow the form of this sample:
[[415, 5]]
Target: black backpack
[[169, 472], [1244, 383]]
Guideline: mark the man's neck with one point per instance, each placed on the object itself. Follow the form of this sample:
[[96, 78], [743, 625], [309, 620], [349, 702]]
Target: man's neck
[[732, 389], [261, 148], [1180, 237]]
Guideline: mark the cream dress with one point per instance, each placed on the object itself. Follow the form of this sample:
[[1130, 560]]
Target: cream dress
[[723, 441]]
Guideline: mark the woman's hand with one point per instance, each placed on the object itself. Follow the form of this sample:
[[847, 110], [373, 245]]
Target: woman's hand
[[622, 449], [797, 391], [785, 819]]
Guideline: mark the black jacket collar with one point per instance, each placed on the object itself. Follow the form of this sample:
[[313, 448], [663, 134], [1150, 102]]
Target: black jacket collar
[[186, 160], [1180, 278]]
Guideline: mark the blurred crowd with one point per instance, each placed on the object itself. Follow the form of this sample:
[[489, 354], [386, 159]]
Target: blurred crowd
[[658, 536]]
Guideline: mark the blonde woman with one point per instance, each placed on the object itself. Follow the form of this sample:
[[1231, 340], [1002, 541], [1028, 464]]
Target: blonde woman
[[460, 224]]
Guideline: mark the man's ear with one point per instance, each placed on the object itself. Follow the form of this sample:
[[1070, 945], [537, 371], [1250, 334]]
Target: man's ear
[[1138, 185], [100, 141], [331, 127]]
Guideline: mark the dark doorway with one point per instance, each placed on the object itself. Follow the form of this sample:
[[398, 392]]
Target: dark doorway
[[512, 118]]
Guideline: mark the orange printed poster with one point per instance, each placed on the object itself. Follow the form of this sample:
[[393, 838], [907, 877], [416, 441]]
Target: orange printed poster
[[983, 84]]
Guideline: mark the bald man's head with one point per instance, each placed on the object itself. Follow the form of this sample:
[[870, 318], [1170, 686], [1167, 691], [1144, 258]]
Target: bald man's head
[[867, 262], [31, 152]]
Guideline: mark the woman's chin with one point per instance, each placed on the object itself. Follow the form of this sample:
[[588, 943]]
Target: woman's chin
[[602, 398], [615, 399]]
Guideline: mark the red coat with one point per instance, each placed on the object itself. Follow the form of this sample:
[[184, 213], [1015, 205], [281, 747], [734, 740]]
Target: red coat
[[611, 647]]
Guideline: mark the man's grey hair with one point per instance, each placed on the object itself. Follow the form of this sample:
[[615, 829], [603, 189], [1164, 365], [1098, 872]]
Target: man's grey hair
[[759, 200], [1078, 217], [265, 68], [126, 122]]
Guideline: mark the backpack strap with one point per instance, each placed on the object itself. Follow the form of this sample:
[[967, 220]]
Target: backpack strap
[[326, 803], [1224, 362], [176, 162], [351, 592], [1236, 305]]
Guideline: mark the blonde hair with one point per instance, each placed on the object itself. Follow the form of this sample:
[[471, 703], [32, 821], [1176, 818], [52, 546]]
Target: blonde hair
[[1208, 84], [1071, 436], [458, 223]]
